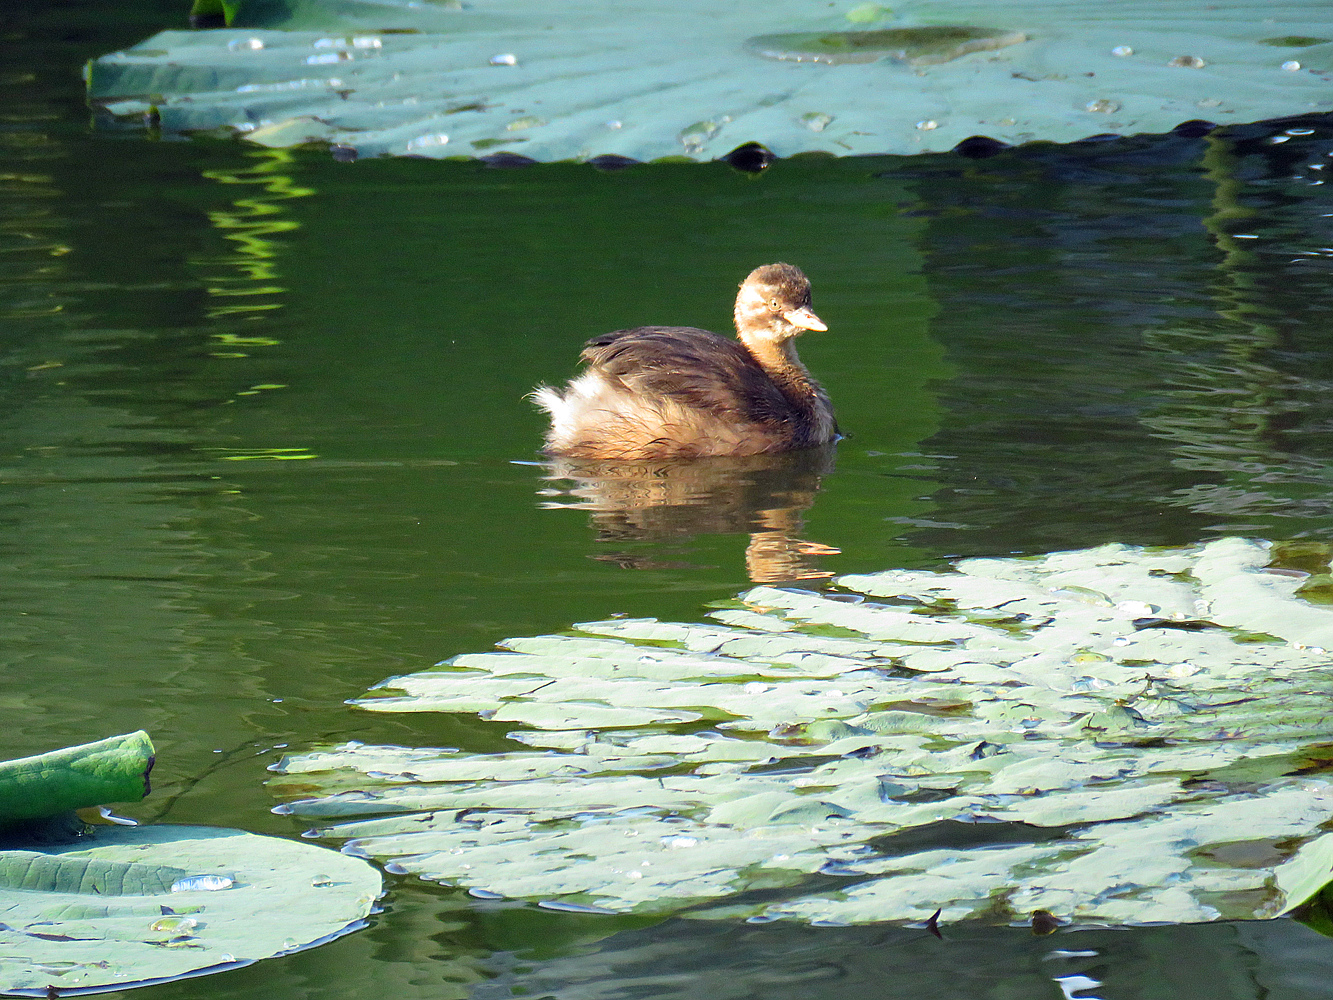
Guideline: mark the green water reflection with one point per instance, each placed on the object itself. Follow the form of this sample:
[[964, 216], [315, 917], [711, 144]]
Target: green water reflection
[[263, 440], [288, 454]]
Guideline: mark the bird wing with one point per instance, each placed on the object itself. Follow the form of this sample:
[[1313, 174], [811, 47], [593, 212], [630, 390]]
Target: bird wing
[[695, 367]]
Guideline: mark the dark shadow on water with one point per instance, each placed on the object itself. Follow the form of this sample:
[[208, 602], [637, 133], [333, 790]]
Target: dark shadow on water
[[1258, 960]]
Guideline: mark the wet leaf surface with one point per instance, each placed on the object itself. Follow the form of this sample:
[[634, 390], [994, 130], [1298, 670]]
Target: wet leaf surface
[[645, 82], [139, 905], [674, 765]]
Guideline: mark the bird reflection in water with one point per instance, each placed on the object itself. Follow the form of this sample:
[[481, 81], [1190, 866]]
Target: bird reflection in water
[[764, 496]]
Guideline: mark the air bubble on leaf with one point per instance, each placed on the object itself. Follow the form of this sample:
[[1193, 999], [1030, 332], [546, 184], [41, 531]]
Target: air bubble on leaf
[[614, 124], [868, 13], [680, 841], [1188, 62], [244, 44], [428, 141], [325, 58], [1122, 51], [321, 880], [202, 883], [927, 125], [1138, 609], [1089, 684], [816, 121], [1291, 66], [1087, 656], [367, 42], [174, 925], [504, 59], [1103, 106], [693, 137]]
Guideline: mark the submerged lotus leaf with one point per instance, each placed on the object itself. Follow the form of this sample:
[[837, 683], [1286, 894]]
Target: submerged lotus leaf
[[1111, 708], [958, 883], [1294, 41], [646, 81], [923, 46], [140, 905]]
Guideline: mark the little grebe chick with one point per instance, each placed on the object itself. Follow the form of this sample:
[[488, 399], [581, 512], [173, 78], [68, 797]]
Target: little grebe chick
[[669, 392]]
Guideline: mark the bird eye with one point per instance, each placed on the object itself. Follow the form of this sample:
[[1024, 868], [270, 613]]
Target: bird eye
[[774, 304]]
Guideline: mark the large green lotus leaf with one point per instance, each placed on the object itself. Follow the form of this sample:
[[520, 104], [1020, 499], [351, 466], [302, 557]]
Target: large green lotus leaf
[[93, 774], [141, 905], [698, 79], [1101, 704]]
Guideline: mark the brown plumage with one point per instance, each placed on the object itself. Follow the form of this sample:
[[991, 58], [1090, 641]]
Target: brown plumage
[[667, 392]]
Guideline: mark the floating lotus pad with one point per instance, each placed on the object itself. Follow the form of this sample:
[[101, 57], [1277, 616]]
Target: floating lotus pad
[[646, 81], [1155, 710], [141, 905]]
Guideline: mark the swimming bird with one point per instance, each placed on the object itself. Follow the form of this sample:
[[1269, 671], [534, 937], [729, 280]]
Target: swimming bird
[[677, 392]]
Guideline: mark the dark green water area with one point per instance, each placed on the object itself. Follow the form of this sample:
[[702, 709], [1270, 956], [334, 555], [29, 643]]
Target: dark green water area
[[264, 443]]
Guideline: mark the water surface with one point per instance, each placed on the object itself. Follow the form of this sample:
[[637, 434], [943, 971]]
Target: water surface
[[264, 443]]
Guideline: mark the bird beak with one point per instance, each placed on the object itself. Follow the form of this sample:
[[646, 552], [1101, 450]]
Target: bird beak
[[804, 318]]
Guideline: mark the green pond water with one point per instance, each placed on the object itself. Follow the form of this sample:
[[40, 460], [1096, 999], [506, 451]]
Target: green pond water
[[264, 444]]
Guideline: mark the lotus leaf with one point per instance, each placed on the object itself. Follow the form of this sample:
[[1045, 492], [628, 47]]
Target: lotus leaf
[[1111, 744], [694, 79], [93, 774], [141, 905]]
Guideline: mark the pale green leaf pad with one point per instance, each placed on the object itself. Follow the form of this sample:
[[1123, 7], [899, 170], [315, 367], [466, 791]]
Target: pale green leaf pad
[[1141, 732], [697, 78], [141, 905]]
